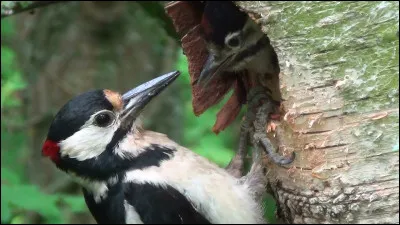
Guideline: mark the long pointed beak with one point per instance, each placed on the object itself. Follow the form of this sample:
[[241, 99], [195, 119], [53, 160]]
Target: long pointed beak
[[211, 69], [136, 99]]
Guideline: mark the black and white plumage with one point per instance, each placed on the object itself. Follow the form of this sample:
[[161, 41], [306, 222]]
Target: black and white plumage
[[236, 43], [238, 48], [133, 176]]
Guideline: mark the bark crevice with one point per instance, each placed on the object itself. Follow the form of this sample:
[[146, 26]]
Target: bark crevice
[[339, 77]]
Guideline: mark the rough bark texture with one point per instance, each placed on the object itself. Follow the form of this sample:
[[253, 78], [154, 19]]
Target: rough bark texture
[[68, 48], [339, 78]]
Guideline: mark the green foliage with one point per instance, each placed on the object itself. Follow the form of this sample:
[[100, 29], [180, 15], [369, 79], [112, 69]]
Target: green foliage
[[198, 135], [7, 28], [17, 196], [12, 80]]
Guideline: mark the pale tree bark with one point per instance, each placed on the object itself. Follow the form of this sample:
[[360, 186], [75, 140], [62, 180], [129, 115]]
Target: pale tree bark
[[339, 78]]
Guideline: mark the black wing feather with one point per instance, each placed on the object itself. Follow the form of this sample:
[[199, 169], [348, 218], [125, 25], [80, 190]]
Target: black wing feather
[[165, 205]]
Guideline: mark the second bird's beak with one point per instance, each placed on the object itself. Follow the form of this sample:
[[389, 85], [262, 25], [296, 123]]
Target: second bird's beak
[[213, 68], [136, 99]]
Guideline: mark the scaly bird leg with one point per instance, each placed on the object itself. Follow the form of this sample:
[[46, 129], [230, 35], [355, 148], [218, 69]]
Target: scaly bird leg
[[236, 165], [260, 139], [257, 95], [255, 178]]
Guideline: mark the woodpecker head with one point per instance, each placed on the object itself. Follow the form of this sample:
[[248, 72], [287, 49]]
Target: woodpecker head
[[233, 40], [87, 135]]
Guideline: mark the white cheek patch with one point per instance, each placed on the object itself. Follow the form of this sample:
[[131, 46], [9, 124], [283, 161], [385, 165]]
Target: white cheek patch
[[87, 143]]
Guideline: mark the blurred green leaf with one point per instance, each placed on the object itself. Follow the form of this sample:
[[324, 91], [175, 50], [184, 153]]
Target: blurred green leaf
[[19, 219], [9, 177], [76, 203], [13, 150], [29, 197], [25, 4], [5, 210], [9, 87], [15, 196], [269, 205], [12, 80], [7, 61]]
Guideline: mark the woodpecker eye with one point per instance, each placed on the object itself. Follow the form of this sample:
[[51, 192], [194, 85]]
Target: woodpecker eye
[[103, 119], [233, 42]]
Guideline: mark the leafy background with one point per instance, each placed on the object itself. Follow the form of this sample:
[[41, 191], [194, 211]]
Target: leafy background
[[20, 198]]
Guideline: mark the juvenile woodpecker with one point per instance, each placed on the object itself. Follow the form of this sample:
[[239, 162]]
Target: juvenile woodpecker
[[236, 43], [130, 175], [239, 56], [238, 47]]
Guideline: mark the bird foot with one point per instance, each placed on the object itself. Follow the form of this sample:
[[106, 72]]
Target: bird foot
[[257, 99], [263, 140], [271, 127]]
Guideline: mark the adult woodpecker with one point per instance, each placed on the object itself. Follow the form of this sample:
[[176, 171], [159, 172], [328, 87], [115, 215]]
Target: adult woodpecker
[[238, 55], [130, 175]]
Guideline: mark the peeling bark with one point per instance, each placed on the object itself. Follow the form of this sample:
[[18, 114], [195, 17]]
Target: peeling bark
[[339, 78]]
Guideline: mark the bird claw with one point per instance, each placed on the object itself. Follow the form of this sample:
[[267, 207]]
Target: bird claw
[[255, 95], [271, 127], [275, 157], [236, 165]]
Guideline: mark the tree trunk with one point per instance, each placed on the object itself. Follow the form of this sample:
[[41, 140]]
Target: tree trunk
[[69, 48], [339, 78]]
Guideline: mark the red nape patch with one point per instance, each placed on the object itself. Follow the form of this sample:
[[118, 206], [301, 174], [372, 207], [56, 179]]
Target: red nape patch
[[51, 149]]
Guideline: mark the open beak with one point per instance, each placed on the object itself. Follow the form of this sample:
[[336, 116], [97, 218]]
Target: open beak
[[136, 99], [212, 68]]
